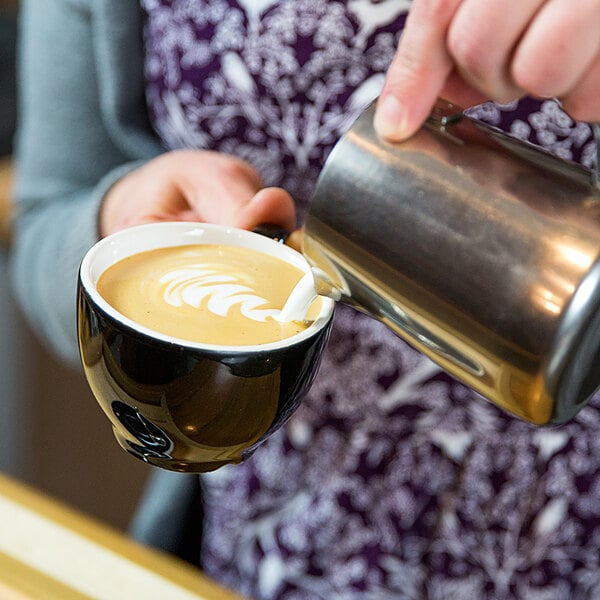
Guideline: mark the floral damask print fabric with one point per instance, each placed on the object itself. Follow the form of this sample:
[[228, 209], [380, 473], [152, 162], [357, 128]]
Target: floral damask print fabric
[[392, 480], [276, 83], [542, 123]]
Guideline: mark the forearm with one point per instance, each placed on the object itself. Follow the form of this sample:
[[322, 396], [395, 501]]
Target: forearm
[[50, 240]]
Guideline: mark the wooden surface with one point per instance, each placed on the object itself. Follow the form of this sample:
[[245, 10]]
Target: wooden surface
[[48, 550], [6, 206]]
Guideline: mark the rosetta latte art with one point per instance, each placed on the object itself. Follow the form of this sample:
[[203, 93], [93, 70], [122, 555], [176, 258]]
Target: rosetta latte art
[[207, 293], [204, 283]]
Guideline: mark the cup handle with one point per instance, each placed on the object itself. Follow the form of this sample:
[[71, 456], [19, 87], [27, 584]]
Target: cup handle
[[275, 232], [444, 114]]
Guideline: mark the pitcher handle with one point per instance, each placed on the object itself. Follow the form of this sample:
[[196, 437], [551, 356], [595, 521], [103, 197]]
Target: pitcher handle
[[445, 114]]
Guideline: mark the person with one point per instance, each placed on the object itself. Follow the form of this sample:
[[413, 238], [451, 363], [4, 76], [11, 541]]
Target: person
[[392, 480]]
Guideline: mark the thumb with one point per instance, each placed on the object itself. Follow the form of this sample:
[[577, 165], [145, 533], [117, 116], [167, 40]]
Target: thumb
[[272, 205], [418, 72]]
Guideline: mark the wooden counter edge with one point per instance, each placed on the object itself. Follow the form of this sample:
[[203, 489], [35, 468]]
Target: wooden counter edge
[[171, 568], [19, 581]]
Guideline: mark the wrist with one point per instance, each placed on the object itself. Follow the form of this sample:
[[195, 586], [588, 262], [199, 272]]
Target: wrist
[[108, 213], [113, 192]]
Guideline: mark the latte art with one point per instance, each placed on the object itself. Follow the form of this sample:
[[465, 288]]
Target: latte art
[[194, 285], [206, 293]]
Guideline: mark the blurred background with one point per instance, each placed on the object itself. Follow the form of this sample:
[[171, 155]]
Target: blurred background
[[39, 397]]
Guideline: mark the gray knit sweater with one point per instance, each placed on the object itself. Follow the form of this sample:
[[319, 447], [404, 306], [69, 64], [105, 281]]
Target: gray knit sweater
[[82, 124]]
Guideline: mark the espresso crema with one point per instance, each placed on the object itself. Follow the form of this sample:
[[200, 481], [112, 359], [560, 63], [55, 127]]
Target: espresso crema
[[209, 294]]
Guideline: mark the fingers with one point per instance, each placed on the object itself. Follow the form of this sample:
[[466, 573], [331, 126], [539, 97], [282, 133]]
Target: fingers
[[474, 50], [269, 205], [229, 191], [195, 186], [460, 93], [583, 103], [419, 70], [214, 185], [559, 47], [481, 39]]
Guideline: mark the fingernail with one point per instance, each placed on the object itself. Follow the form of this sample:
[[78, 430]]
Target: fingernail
[[389, 118]]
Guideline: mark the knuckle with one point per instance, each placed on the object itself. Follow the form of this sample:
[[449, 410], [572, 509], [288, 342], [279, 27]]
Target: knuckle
[[479, 65], [438, 10], [241, 169], [580, 108], [469, 53], [177, 158], [530, 80], [533, 81]]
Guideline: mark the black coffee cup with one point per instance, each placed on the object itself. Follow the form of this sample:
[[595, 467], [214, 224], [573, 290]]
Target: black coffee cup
[[181, 405]]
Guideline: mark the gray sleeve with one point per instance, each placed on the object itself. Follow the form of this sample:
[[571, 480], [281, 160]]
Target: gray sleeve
[[65, 163], [169, 515]]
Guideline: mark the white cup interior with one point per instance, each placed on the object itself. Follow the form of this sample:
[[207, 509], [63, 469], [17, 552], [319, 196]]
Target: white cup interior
[[138, 239]]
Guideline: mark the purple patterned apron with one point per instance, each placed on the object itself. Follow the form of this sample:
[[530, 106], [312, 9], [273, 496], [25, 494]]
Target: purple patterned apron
[[392, 480]]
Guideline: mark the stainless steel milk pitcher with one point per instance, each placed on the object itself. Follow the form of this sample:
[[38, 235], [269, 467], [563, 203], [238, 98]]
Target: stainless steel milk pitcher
[[479, 250]]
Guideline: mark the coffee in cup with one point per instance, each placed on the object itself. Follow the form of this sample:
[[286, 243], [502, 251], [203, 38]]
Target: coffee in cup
[[213, 294]]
